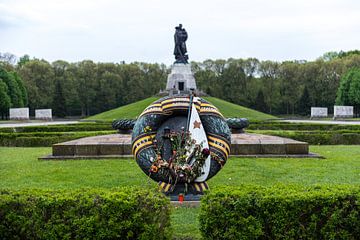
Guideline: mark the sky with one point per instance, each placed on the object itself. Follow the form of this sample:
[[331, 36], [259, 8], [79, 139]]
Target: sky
[[142, 30]]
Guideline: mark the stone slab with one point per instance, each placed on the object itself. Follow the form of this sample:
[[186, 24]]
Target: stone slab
[[319, 112], [117, 145], [19, 113], [43, 114], [343, 111]]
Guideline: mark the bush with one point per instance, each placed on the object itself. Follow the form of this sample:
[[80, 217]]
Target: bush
[[345, 137], [44, 139], [61, 128], [281, 212], [126, 213], [300, 126]]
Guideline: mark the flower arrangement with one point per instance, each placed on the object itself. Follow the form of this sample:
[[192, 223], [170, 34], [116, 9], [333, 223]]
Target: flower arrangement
[[186, 159]]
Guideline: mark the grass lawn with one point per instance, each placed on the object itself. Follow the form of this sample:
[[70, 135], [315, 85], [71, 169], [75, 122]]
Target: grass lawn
[[19, 168], [132, 111], [226, 108]]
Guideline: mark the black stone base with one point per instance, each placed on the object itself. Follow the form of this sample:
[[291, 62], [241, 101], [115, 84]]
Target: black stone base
[[184, 192]]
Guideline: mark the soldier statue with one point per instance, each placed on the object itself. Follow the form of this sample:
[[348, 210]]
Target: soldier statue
[[180, 51]]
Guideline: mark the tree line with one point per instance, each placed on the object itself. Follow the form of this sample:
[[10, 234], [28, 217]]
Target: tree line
[[289, 87], [86, 88]]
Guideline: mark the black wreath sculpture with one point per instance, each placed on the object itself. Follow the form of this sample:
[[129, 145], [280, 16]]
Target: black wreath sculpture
[[147, 134]]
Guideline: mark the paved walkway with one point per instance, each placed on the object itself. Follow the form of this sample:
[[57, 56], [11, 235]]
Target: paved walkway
[[324, 122], [30, 124]]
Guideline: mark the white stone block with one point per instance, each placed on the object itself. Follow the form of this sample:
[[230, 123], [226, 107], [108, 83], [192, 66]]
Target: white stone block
[[181, 78], [343, 111], [19, 113], [43, 114], [319, 112]]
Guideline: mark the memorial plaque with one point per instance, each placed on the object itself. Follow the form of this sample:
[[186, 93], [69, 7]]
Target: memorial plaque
[[19, 113], [343, 111], [319, 112], [43, 114]]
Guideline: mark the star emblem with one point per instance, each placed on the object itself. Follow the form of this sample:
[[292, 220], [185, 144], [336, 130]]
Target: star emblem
[[197, 124]]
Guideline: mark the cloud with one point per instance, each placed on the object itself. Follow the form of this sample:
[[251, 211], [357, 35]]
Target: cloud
[[140, 30]]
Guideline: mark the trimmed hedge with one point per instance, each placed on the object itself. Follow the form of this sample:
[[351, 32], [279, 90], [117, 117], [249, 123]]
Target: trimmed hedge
[[281, 212], [61, 128], [44, 139], [300, 126], [126, 213], [343, 137]]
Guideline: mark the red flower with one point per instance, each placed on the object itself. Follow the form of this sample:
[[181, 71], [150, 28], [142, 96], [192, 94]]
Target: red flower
[[206, 152]]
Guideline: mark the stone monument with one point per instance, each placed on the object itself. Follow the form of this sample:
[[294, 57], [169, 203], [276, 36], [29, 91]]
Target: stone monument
[[43, 114], [343, 112], [19, 113], [181, 80], [318, 112]]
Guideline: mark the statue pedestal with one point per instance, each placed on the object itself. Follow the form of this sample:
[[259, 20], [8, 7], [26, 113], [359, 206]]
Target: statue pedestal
[[181, 79]]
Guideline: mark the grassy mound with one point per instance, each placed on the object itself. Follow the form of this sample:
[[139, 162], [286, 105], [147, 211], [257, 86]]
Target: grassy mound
[[132, 110], [229, 109], [226, 108]]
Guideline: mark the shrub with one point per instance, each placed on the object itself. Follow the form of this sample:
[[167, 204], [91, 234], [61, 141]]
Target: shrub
[[300, 126], [281, 212], [61, 128], [43, 139], [126, 213], [346, 137]]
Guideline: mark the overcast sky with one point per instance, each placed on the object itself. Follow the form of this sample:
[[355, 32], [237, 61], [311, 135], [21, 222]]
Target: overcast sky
[[142, 30]]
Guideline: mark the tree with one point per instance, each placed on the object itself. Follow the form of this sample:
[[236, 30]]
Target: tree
[[86, 76], [354, 91], [328, 56], [289, 87], [59, 102], [269, 75], [343, 96], [38, 77], [4, 100], [8, 57], [260, 104], [24, 59], [304, 105], [20, 83], [14, 91]]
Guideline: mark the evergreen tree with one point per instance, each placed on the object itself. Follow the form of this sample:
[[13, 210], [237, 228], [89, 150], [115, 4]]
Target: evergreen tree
[[59, 103], [4, 100], [23, 91], [342, 96], [354, 91], [304, 105], [13, 88]]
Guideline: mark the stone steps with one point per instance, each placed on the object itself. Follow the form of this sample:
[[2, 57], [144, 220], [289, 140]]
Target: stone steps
[[119, 146]]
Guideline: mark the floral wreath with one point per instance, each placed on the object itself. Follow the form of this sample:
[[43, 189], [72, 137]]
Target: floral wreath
[[187, 158]]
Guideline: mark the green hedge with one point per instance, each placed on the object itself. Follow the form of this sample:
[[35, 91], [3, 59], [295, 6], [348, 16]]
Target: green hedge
[[281, 212], [44, 139], [126, 213], [344, 137], [61, 128], [300, 126]]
